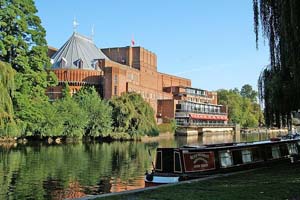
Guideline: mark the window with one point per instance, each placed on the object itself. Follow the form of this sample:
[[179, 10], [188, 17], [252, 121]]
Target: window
[[63, 62], [95, 64], [116, 79], [158, 165], [79, 63], [283, 150], [177, 163], [256, 155], [275, 152], [247, 156], [115, 90], [225, 158], [292, 148]]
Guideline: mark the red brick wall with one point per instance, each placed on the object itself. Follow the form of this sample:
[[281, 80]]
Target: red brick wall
[[166, 108], [170, 80], [78, 75]]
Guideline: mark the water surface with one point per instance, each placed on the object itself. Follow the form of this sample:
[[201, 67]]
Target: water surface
[[44, 171]]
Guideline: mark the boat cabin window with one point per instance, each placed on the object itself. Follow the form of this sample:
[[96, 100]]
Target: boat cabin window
[[292, 148], [177, 163], [283, 150], [256, 154], [237, 157], [247, 156], [225, 158], [275, 152], [158, 166]]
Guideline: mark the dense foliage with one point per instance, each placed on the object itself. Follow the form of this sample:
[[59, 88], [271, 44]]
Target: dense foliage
[[279, 83], [99, 113], [23, 45], [133, 115], [242, 106], [7, 122]]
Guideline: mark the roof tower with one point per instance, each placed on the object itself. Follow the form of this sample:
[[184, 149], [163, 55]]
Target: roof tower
[[79, 52]]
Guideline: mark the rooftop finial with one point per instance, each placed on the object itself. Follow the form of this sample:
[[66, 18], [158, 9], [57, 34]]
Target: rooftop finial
[[75, 25], [93, 32]]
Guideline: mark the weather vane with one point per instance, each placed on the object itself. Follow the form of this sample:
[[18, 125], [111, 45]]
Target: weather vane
[[75, 25]]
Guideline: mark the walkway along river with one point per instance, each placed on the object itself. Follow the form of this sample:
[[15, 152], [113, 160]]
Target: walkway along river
[[42, 171]]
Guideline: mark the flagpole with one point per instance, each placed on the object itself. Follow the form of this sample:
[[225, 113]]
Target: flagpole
[[132, 41]]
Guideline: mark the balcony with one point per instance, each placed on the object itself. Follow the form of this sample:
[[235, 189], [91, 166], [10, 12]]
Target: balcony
[[201, 112]]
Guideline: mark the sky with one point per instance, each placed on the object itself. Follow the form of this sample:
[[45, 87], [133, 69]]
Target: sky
[[210, 42]]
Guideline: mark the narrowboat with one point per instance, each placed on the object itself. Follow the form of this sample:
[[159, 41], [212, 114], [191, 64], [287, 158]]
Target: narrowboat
[[188, 162]]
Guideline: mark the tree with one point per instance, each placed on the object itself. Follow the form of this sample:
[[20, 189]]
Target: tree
[[98, 111], [241, 109], [7, 123], [248, 92], [23, 45], [22, 41], [133, 115], [73, 118], [66, 91], [279, 82]]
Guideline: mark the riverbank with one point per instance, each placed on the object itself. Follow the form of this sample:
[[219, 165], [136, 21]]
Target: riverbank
[[277, 182], [272, 131]]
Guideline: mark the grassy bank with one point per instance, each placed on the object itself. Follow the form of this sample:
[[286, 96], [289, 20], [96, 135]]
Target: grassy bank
[[279, 182]]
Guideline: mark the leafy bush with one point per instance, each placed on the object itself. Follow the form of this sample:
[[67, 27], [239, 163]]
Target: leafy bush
[[133, 115]]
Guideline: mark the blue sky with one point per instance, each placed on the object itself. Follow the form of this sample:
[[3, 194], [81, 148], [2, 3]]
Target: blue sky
[[210, 42]]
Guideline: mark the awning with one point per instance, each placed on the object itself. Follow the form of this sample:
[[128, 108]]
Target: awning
[[208, 117]]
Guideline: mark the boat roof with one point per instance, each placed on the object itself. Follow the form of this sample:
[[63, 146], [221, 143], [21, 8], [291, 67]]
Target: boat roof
[[235, 145]]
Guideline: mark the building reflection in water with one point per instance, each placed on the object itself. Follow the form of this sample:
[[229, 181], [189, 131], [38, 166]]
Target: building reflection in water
[[220, 137], [76, 170], [205, 138]]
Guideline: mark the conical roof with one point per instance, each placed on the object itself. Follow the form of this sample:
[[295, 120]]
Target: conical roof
[[78, 52]]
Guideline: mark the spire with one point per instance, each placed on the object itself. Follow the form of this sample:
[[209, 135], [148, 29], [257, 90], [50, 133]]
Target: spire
[[75, 25]]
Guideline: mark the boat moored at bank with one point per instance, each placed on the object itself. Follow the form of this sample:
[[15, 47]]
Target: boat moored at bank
[[188, 162]]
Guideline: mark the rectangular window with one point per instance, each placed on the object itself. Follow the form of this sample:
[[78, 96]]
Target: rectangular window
[[225, 158], [116, 79], [292, 148], [115, 90], [177, 163], [275, 152], [283, 150], [158, 165], [237, 157], [247, 156], [256, 155]]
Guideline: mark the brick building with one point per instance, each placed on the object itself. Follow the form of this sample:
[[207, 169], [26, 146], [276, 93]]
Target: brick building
[[114, 71]]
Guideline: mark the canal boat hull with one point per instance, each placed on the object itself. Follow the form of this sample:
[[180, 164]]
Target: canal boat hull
[[189, 162]]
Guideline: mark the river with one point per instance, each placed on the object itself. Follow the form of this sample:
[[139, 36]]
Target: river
[[62, 171]]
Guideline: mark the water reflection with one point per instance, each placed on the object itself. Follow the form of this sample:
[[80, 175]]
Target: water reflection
[[75, 170]]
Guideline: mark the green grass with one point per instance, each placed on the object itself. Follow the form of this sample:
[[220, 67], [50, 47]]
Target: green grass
[[279, 182]]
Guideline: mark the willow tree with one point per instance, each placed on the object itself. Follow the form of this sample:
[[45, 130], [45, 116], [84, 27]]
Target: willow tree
[[24, 47], [279, 83], [7, 123]]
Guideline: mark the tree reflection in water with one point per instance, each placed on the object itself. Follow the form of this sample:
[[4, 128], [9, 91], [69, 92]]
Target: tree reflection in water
[[43, 171]]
